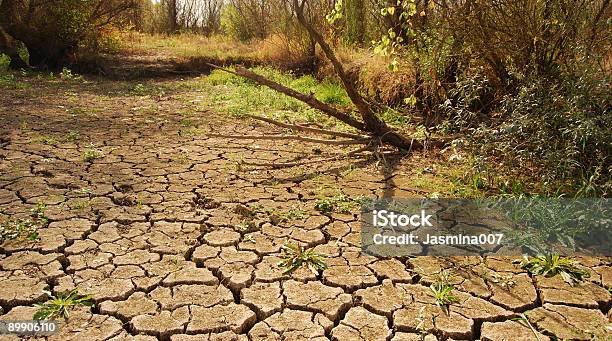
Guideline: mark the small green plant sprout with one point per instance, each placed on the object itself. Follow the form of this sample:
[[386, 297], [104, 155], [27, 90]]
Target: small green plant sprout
[[38, 213], [522, 319], [443, 294], [67, 74], [73, 135], [420, 328], [296, 214], [570, 270], [14, 229], [339, 203], [295, 256], [47, 140], [248, 238], [246, 225], [504, 281], [28, 228], [60, 305], [91, 153], [139, 89]]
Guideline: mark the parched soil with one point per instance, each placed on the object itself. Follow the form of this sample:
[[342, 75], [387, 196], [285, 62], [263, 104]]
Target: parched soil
[[177, 239]]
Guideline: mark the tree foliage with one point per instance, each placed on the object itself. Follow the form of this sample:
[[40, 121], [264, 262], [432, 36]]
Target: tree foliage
[[53, 30]]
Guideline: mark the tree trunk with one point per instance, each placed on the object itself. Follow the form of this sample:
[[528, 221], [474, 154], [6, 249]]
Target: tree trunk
[[172, 13], [372, 124], [8, 47], [355, 21]]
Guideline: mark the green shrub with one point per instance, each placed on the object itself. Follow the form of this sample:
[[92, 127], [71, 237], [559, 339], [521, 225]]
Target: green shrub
[[234, 24], [55, 32], [464, 104], [4, 62], [559, 132]]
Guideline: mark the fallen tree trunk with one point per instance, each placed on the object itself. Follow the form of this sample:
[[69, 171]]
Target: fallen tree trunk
[[383, 133], [308, 99], [379, 133], [373, 124]]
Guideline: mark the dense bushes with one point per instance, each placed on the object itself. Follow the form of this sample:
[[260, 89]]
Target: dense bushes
[[559, 133], [54, 31], [528, 81]]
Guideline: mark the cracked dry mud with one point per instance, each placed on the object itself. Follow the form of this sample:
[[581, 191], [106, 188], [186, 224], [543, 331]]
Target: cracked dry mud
[[172, 237]]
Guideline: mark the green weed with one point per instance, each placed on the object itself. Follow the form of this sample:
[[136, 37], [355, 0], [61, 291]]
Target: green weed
[[73, 135], [48, 140], [4, 62], [332, 93], [238, 96], [91, 153], [139, 90], [186, 123], [339, 203], [67, 74], [570, 270], [295, 257], [60, 305], [443, 293], [443, 288], [28, 228], [10, 81], [14, 229]]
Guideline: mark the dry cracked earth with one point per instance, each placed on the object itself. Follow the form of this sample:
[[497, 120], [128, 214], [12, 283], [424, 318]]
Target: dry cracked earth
[[176, 241]]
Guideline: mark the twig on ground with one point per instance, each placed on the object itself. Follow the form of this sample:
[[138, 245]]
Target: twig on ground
[[300, 163], [294, 137], [307, 129]]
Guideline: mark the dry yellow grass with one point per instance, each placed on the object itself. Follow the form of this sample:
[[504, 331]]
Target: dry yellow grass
[[371, 70]]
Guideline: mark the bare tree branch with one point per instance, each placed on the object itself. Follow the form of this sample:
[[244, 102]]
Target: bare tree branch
[[308, 99], [293, 137], [307, 129], [372, 123], [301, 163]]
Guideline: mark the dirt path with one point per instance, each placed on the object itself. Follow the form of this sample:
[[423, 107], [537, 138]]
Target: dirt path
[[174, 238]]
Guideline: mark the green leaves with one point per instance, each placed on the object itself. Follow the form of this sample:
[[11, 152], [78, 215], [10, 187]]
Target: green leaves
[[61, 305], [295, 257], [336, 13], [25, 228], [340, 203], [548, 266], [443, 294]]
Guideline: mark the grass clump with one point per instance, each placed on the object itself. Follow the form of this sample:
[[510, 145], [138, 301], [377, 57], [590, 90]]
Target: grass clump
[[67, 74], [296, 256], [442, 289], [10, 81], [570, 270], [60, 305], [47, 140], [91, 153], [238, 96], [14, 229], [25, 228], [73, 135], [4, 62], [443, 293], [339, 203], [332, 93]]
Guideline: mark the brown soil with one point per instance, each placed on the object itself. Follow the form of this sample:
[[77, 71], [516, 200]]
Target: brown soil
[[158, 228]]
